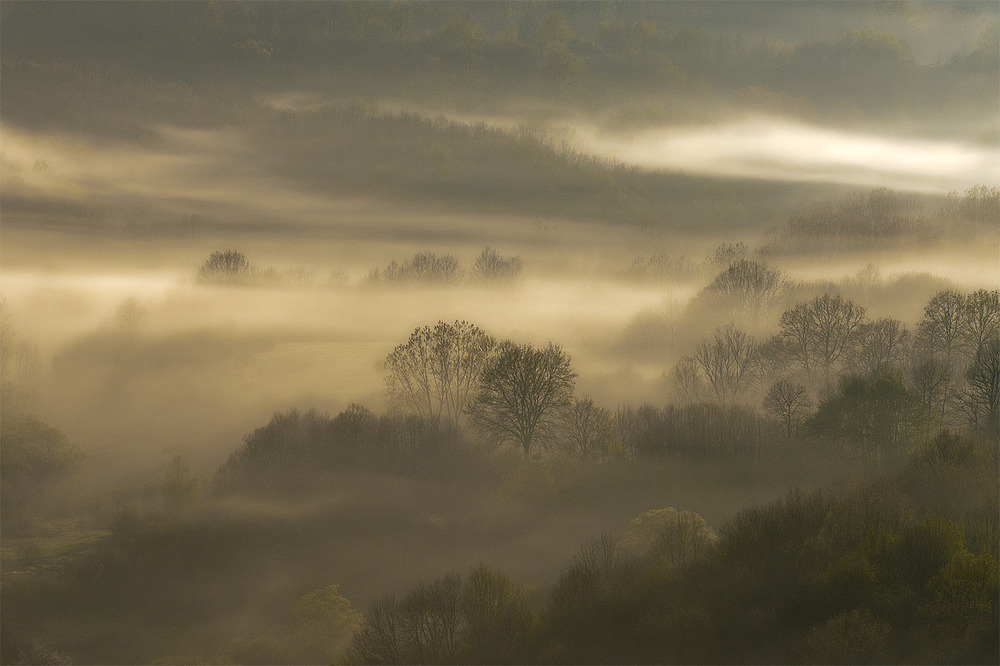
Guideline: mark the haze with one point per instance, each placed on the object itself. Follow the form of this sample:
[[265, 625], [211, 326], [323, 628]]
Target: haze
[[751, 251]]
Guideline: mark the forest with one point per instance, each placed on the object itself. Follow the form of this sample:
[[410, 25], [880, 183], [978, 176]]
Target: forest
[[499, 332]]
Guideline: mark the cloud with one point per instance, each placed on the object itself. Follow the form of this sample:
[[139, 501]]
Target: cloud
[[777, 150]]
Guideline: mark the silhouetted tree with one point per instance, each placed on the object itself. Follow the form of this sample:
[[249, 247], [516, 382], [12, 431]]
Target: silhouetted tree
[[881, 347], [436, 373], [789, 403], [980, 320], [130, 317], [820, 333], [586, 428], [875, 416], [940, 330], [498, 621], [490, 266], [933, 382], [226, 269], [687, 380], [981, 400], [522, 393], [750, 288], [379, 640], [729, 361]]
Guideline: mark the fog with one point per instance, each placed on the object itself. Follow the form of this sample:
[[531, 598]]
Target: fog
[[771, 149], [225, 228]]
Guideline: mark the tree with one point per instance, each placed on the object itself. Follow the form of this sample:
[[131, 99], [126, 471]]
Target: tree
[[669, 536], [981, 401], [130, 317], [225, 269], [876, 416], [522, 392], [497, 618], [820, 333], [940, 331], [789, 403], [932, 378], [435, 374], [379, 639], [980, 320], [490, 266], [586, 427], [729, 362], [751, 289], [881, 347], [431, 621], [687, 380], [320, 624]]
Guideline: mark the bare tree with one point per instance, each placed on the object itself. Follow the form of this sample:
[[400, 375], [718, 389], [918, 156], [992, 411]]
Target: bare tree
[[729, 361], [981, 399], [933, 381], [497, 617], [789, 403], [379, 639], [522, 392], [432, 621], [435, 374], [586, 427], [819, 334], [688, 382], [980, 320], [940, 330], [881, 346], [225, 269], [752, 289], [490, 266], [625, 432], [130, 317]]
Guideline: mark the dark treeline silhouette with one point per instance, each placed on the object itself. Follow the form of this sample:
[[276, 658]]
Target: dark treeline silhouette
[[887, 573], [904, 566], [586, 52]]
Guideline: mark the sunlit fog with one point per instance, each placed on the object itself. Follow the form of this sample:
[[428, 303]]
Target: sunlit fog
[[499, 332]]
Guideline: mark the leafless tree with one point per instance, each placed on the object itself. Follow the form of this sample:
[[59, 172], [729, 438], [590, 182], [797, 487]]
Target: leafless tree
[[435, 374], [431, 621], [378, 641], [625, 431], [752, 289], [789, 403], [980, 320], [490, 266], [226, 269], [932, 379], [981, 400], [820, 333], [522, 393], [586, 427], [729, 361], [130, 317], [940, 330], [687, 380], [881, 346]]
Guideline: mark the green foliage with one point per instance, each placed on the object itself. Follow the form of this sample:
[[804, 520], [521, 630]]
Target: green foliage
[[874, 416], [32, 449], [484, 620]]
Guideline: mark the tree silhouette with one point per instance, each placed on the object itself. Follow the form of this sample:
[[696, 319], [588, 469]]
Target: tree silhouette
[[522, 391], [789, 403], [226, 269], [435, 374]]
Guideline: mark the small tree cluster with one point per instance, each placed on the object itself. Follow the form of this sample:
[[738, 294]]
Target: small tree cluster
[[483, 620], [228, 268], [491, 266]]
